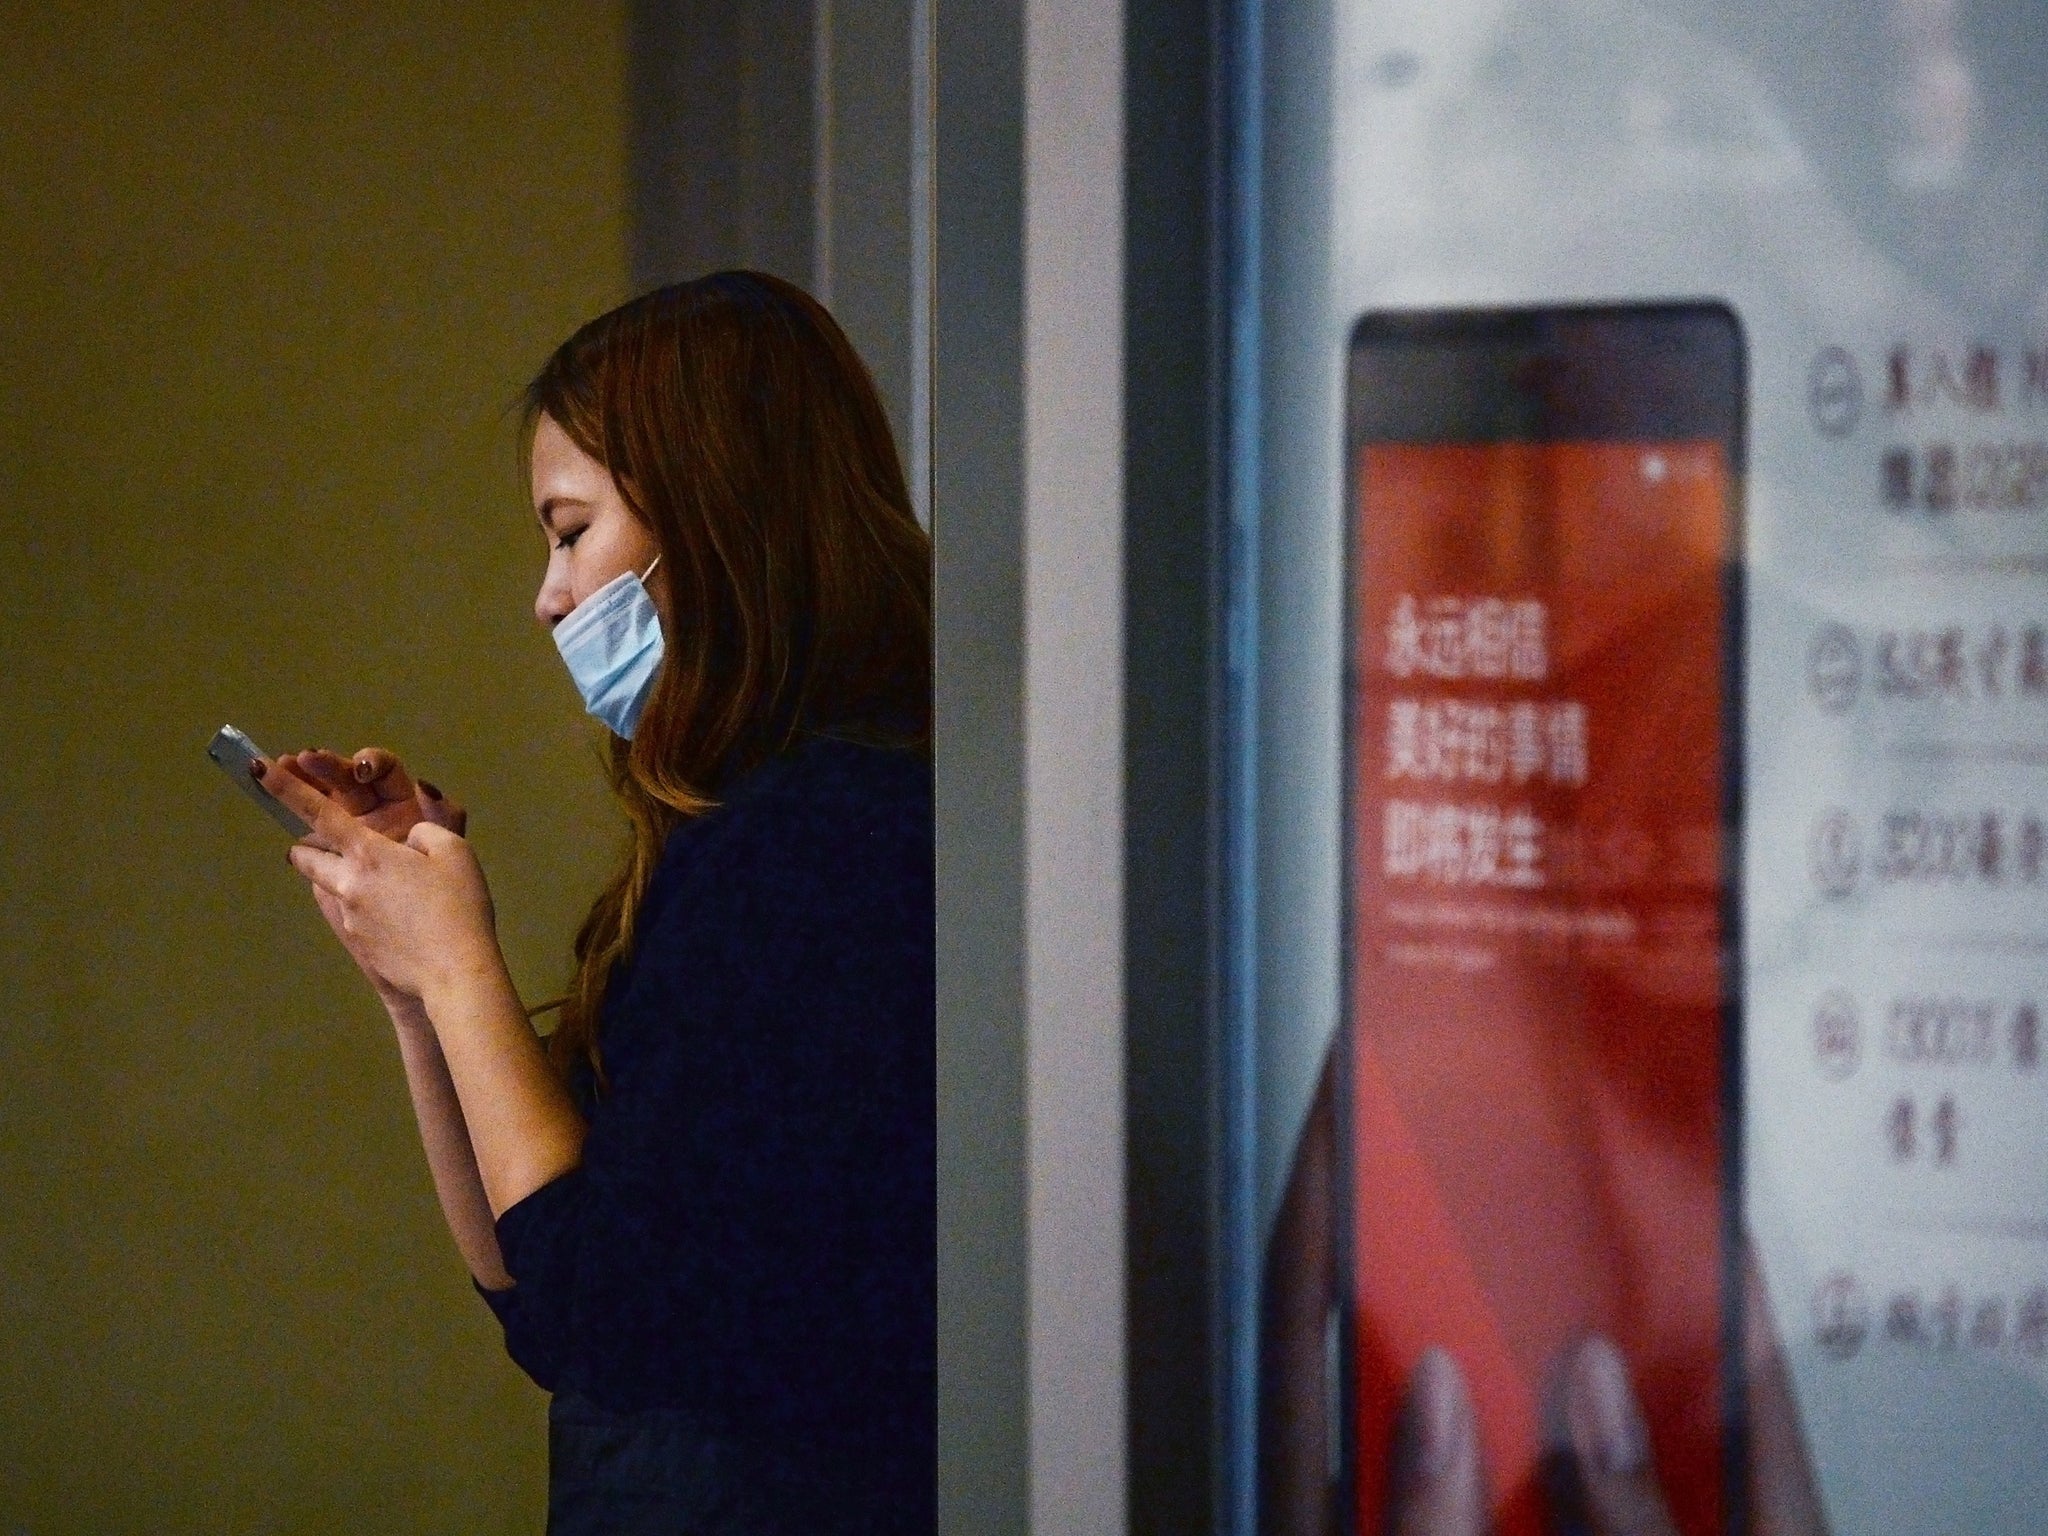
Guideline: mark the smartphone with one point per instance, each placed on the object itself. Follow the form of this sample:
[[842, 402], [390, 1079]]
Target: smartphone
[[233, 752], [1540, 1046]]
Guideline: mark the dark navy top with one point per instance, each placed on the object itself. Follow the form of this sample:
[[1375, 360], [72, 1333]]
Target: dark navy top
[[745, 1259]]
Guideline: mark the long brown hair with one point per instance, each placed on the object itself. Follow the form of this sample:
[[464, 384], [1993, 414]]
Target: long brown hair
[[745, 433]]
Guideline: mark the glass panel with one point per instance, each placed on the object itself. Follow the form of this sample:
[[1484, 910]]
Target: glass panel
[[1692, 980]]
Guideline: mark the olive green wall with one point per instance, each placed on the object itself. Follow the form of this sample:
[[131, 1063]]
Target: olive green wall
[[267, 287]]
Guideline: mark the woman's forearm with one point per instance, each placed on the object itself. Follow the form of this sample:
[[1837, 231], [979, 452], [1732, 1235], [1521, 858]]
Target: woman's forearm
[[524, 1129], [416, 916], [445, 1137]]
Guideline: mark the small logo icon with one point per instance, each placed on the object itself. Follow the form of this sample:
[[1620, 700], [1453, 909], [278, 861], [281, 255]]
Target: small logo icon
[[1837, 1036], [1836, 854], [1834, 667], [1834, 392], [1841, 1315]]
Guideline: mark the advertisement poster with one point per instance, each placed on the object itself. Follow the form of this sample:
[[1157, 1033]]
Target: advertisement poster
[[1865, 188], [1537, 1069]]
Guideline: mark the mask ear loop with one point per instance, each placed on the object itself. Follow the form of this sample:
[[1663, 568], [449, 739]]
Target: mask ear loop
[[650, 596]]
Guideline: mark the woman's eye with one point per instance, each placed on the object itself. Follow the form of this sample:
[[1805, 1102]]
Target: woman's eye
[[568, 539]]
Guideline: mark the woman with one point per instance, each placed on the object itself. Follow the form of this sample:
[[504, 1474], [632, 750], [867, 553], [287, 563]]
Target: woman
[[703, 1208]]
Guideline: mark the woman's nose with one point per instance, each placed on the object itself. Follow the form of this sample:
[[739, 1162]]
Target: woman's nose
[[553, 602]]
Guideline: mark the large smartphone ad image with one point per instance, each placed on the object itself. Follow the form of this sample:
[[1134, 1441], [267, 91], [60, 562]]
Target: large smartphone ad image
[[1541, 1051]]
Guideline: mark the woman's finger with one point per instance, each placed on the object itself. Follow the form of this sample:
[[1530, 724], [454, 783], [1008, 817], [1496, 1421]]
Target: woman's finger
[[382, 774], [440, 810], [330, 770], [1436, 1487], [297, 764], [431, 838], [328, 903], [333, 829], [371, 764], [335, 776], [327, 872], [1609, 1442]]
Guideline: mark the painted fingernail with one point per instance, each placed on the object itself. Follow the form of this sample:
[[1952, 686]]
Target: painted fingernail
[[256, 768], [1442, 1413], [365, 770], [1605, 1423], [429, 790]]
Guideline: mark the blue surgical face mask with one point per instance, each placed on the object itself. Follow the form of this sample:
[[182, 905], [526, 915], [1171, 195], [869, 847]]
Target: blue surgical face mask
[[611, 642]]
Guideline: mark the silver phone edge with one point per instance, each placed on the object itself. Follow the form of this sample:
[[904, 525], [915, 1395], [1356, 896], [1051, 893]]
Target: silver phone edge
[[232, 751]]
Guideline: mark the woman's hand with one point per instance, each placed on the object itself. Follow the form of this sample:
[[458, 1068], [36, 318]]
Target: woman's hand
[[415, 915], [374, 787], [1603, 1470]]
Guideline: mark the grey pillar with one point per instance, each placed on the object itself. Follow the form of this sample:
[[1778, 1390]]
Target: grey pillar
[[722, 138], [783, 135], [1172, 538], [978, 496]]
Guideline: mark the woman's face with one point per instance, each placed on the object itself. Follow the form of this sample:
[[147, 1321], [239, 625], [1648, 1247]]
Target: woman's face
[[592, 535]]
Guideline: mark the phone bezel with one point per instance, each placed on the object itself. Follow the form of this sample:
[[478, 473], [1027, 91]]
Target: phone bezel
[[1460, 386]]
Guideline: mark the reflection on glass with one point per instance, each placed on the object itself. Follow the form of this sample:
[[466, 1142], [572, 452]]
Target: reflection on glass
[[1865, 182], [1541, 1061], [1539, 1069]]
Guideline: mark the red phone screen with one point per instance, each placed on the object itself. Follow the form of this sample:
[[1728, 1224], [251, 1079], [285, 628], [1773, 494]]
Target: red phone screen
[[1537, 868]]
